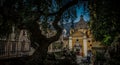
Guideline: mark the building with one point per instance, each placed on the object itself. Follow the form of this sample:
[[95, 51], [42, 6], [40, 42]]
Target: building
[[16, 45], [80, 38]]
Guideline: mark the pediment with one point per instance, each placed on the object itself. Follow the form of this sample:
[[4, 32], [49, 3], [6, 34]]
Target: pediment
[[77, 34]]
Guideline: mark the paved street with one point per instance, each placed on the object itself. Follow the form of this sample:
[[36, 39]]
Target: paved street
[[82, 60]]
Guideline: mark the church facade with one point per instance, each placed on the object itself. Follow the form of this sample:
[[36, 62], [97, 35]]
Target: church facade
[[80, 38]]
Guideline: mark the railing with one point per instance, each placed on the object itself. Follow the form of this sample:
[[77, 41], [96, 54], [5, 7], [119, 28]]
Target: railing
[[54, 50], [10, 49]]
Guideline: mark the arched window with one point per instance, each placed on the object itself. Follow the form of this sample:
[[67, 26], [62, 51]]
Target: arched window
[[77, 40]]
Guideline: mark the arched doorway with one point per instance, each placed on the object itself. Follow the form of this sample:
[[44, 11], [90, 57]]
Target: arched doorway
[[77, 47]]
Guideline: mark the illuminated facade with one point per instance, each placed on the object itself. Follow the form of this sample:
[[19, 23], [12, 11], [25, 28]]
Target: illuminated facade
[[81, 35]]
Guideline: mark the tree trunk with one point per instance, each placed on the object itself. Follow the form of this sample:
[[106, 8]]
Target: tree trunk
[[39, 56], [41, 51]]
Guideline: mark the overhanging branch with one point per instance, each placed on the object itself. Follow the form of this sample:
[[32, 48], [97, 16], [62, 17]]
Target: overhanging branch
[[36, 32], [57, 18], [61, 10]]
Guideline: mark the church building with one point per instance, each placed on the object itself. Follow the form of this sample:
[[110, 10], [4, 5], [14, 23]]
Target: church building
[[80, 38]]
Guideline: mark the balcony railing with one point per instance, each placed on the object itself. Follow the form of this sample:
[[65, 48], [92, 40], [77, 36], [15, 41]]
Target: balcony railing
[[10, 49]]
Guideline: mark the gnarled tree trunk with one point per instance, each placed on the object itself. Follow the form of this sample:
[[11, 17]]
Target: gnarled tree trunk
[[43, 42], [40, 54]]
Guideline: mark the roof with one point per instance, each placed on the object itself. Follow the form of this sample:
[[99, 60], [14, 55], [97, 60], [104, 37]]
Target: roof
[[81, 24]]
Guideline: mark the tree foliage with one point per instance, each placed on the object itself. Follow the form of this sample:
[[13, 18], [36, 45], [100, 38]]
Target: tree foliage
[[22, 11], [104, 20], [28, 14]]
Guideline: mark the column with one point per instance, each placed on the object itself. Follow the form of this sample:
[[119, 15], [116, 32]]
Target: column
[[85, 45], [70, 43], [51, 48]]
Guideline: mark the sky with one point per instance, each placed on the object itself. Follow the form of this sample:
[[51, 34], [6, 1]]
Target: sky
[[80, 11]]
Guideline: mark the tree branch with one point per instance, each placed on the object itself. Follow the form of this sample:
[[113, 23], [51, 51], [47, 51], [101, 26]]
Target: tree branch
[[36, 32], [57, 18], [61, 10]]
